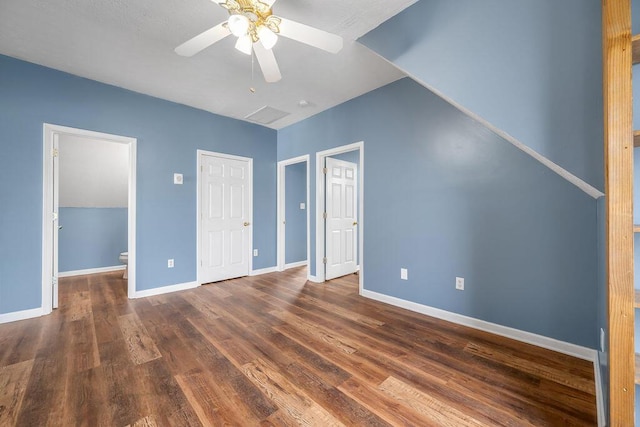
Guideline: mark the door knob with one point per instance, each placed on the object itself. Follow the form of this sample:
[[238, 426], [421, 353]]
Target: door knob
[[59, 227], [355, 222], [246, 224]]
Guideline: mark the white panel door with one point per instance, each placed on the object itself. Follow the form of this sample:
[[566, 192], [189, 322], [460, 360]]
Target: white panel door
[[225, 218], [341, 190]]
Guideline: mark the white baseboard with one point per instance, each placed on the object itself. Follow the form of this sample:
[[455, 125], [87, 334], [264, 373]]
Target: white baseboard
[[91, 271], [516, 334], [505, 331], [263, 271], [21, 315], [602, 419], [295, 264], [166, 289], [314, 279]]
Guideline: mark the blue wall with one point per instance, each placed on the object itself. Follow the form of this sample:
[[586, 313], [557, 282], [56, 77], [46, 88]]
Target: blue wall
[[349, 156], [296, 218], [523, 238], [91, 237], [168, 136], [533, 68]]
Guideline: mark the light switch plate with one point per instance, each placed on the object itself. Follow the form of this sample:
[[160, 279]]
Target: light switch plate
[[302, 206], [404, 274], [177, 178]]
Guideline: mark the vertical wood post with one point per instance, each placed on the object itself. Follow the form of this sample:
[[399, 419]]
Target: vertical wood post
[[618, 144]]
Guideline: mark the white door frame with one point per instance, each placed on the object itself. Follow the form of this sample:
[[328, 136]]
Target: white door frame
[[51, 131], [200, 154], [281, 200], [320, 207]]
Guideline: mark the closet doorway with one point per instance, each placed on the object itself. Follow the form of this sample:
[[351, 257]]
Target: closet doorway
[[293, 213]]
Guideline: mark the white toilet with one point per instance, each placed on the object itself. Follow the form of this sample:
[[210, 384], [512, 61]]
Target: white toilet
[[124, 258]]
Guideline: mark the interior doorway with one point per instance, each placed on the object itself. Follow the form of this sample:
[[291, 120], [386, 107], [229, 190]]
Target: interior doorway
[[357, 226], [53, 134], [293, 213], [341, 219]]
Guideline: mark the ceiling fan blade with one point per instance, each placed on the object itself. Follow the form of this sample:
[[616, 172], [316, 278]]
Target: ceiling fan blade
[[311, 36], [203, 41], [268, 64]]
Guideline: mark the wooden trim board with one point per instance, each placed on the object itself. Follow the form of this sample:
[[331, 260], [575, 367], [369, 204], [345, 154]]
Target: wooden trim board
[[618, 144]]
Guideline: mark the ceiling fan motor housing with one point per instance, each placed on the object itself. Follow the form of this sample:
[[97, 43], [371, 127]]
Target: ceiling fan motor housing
[[258, 14]]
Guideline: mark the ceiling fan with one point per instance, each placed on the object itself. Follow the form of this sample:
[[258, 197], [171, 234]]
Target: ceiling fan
[[257, 29]]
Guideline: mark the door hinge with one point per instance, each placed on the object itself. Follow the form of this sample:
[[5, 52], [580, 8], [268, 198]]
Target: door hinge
[[324, 171], [201, 168], [324, 215], [324, 260], [55, 152]]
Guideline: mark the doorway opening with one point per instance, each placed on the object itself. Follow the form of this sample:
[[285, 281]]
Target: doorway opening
[[294, 248], [53, 136], [332, 229]]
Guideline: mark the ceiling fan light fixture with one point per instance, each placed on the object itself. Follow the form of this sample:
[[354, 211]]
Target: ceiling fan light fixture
[[244, 44], [267, 37], [238, 25]]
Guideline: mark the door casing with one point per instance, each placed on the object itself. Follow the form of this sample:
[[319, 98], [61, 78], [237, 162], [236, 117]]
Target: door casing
[[51, 133]]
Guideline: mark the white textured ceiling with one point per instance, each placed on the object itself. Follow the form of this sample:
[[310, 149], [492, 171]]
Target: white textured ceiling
[[129, 43]]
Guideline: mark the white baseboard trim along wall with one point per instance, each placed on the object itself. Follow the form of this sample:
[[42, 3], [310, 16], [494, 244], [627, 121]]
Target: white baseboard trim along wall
[[263, 271], [516, 334], [295, 264], [505, 331], [91, 271], [166, 289], [599, 392], [14, 316]]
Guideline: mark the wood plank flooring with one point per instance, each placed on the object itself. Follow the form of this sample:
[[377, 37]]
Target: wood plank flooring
[[273, 350]]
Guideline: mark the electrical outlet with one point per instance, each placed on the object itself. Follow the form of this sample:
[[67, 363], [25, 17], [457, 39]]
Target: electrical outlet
[[255, 252], [170, 263], [460, 283], [404, 274]]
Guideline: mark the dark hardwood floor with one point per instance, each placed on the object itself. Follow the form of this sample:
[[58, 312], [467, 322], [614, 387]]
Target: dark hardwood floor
[[273, 350]]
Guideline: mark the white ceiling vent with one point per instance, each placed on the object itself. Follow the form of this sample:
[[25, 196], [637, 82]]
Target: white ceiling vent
[[266, 115]]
